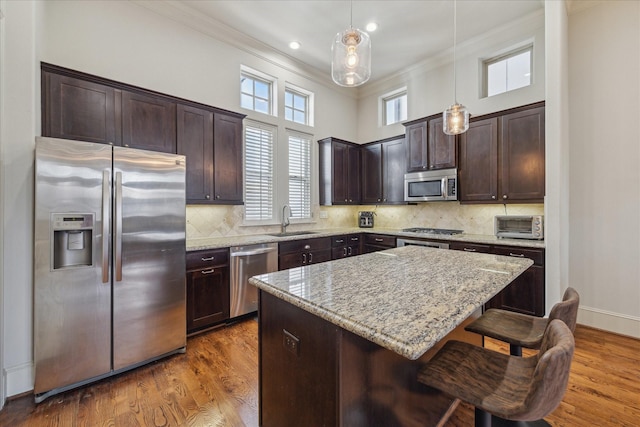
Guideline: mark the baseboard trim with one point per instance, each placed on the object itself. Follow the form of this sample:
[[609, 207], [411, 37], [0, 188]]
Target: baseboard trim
[[19, 379], [609, 321]]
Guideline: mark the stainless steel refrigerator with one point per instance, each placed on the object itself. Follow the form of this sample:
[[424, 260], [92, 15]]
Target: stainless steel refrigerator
[[109, 261]]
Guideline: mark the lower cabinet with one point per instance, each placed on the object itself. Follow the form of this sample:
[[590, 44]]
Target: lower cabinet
[[297, 253], [207, 288], [526, 293], [377, 242], [345, 246]]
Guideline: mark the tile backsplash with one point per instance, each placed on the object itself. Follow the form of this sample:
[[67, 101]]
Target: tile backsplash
[[222, 221]]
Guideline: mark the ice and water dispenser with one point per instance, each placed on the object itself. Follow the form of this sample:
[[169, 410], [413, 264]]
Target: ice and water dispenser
[[72, 239]]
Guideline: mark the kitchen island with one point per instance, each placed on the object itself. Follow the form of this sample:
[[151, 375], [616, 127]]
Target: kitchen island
[[341, 342]]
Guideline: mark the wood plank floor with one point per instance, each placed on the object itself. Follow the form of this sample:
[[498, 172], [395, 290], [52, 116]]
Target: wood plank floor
[[215, 384]]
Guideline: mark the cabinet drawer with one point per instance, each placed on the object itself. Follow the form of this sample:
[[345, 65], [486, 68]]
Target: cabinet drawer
[[380, 240], [537, 255], [305, 245], [208, 258], [347, 239], [470, 247]]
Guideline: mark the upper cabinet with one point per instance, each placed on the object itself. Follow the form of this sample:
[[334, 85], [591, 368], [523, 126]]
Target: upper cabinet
[[502, 157], [383, 167], [427, 146], [340, 166], [148, 122], [88, 108]]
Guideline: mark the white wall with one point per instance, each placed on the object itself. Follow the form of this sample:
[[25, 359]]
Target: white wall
[[604, 260], [430, 84]]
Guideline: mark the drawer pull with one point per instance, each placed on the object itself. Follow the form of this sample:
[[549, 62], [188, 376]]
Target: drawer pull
[[469, 249], [518, 255], [209, 271], [355, 239], [211, 258], [340, 241], [379, 239]]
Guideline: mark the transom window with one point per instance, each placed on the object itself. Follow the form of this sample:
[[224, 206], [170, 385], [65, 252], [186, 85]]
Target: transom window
[[296, 106], [394, 106], [256, 93], [508, 72]]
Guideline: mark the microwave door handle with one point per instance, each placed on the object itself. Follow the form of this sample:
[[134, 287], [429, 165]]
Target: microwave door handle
[[443, 189]]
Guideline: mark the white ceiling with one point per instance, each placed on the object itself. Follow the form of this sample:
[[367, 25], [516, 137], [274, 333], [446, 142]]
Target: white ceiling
[[408, 31]]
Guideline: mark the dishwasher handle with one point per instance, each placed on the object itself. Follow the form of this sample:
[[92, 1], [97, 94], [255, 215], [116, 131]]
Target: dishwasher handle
[[252, 252]]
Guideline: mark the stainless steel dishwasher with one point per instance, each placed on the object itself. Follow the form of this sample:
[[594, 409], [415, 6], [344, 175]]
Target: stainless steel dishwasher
[[248, 261]]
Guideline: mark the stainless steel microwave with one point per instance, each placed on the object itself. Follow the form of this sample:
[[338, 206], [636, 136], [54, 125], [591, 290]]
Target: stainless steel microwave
[[431, 186]]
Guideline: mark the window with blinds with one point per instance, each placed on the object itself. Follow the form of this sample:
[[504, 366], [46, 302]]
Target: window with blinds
[[300, 175], [259, 154]]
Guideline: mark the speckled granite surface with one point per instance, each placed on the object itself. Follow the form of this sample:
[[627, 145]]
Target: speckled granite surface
[[404, 299], [225, 242]]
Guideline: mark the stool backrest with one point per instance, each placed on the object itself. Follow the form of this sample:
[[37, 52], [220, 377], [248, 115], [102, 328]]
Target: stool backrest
[[567, 309], [551, 374]]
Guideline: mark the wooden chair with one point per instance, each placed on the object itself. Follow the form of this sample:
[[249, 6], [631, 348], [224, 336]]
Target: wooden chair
[[521, 330], [505, 390]]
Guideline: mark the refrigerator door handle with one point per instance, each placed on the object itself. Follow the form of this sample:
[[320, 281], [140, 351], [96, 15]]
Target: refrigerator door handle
[[117, 227], [106, 202]]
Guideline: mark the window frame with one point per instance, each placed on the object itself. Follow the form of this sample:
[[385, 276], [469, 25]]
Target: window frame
[[513, 52], [309, 101], [392, 96], [255, 75]]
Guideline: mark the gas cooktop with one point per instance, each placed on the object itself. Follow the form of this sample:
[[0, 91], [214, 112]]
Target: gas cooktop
[[431, 230]]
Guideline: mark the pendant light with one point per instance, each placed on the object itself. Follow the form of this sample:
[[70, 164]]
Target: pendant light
[[456, 117], [351, 56]]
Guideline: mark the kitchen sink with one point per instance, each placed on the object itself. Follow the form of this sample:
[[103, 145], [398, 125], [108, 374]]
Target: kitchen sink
[[290, 233]]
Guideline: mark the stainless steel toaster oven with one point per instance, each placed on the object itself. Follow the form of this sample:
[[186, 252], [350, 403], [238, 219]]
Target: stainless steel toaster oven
[[519, 226]]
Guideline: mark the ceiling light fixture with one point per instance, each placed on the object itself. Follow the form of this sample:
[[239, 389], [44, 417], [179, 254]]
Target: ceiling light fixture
[[456, 117], [295, 45], [371, 27], [351, 56]]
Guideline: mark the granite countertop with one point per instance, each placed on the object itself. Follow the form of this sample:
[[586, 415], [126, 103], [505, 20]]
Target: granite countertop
[[404, 299], [225, 242]]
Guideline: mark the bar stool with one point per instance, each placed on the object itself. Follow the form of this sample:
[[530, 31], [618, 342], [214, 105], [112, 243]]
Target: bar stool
[[521, 330], [505, 390]]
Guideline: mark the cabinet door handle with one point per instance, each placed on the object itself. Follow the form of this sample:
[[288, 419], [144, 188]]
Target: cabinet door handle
[[504, 196], [304, 258], [344, 251], [350, 251], [207, 197], [307, 246], [469, 249], [310, 257], [518, 255], [211, 258], [493, 197], [379, 240], [209, 271]]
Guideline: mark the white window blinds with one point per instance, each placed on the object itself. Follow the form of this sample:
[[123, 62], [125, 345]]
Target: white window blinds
[[300, 175], [259, 153]]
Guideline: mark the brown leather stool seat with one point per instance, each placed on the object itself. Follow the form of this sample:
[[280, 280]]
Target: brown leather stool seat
[[506, 390], [521, 330]]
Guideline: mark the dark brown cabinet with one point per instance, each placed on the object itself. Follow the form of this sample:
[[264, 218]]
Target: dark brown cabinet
[[427, 146], [148, 122], [227, 159], [78, 109], [207, 288], [340, 169], [195, 141], [377, 242], [297, 253], [526, 293], [345, 246], [383, 167], [502, 157]]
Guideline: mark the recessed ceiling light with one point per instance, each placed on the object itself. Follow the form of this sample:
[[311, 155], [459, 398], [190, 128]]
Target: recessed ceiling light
[[371, 26], [294, 45]]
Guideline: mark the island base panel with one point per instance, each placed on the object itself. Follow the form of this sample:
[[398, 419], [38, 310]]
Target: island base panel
[[331, 377]]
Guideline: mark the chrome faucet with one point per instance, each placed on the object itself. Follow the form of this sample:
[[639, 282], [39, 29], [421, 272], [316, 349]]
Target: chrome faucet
[[285, 219]]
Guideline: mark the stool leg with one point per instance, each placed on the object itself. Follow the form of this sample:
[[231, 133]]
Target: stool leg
[[515, 350], [482, 418]]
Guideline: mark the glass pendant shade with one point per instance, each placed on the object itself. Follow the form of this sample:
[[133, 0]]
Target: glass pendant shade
[[455, 119], [351, 58]]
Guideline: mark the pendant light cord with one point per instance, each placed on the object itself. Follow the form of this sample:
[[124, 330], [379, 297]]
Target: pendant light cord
[[351, 17], [455, 20]]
